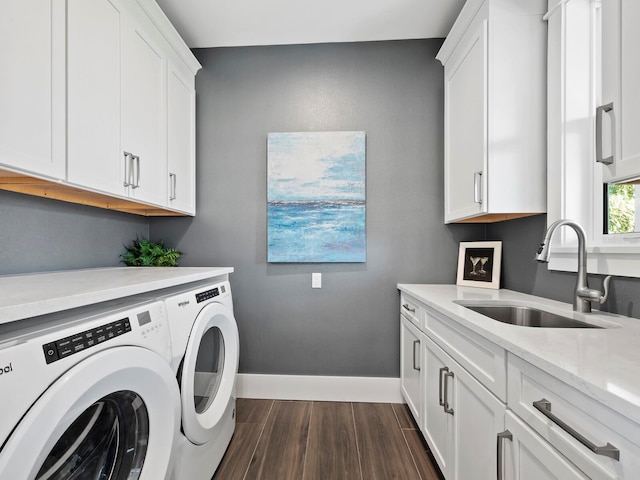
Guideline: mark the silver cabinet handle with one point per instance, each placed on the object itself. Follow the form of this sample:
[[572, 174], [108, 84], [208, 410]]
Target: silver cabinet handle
[[127, 169], [414, 354], [600, 111], [406, 307], [136, 160], [172, 194], [440, 398], [447, 409], [502, 436], [477, 187], [544, 407]]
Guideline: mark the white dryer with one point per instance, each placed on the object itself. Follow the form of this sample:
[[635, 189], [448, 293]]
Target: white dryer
[[88, 394], [205, 349]]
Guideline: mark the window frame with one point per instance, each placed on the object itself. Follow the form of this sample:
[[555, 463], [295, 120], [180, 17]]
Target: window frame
[[574, 178]]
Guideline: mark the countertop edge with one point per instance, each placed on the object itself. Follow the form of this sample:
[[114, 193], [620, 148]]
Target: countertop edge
[[30, 295]]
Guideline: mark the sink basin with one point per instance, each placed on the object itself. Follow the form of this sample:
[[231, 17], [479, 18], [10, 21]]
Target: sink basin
[[527, 316]]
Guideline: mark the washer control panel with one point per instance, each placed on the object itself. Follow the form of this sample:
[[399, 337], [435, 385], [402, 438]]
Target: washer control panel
[[209, 294], [81, 341]]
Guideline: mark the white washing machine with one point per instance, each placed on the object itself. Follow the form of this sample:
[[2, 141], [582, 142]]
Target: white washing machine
[[88, 394], [205, 348]]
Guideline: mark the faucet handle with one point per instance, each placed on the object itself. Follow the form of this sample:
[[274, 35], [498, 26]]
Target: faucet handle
[[596, 295]]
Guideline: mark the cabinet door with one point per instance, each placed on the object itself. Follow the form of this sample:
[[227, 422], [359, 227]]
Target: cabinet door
[[620, 80], [410, 367], [437, 423], [477, 419], [465, 127], [181, 120], [462, 418], [529, 457], [32, 86], [142, 122], [94, 156]]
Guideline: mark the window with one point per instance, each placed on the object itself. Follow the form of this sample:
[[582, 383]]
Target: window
[[593, 61]]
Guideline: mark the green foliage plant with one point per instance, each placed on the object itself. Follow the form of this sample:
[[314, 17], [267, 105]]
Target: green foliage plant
[[621, 208], [145, 253]]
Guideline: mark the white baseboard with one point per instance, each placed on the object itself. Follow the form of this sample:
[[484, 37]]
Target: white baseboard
[[310, 387]]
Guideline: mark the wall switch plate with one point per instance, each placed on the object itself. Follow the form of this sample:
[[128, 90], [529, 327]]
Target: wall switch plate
[[316, 280]]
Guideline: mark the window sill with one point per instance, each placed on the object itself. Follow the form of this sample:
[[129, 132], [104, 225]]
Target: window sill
[[620, 261]]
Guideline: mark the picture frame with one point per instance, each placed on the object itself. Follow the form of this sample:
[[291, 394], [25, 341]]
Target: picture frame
[[316, 197], [479, 264]]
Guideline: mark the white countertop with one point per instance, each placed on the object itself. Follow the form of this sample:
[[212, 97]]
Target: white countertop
[[602, 363], [33, 294]]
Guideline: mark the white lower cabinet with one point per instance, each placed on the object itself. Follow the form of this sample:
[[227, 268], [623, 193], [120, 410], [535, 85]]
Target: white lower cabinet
[[462, 418], [546, 429], [527, 456], [599, 441], [410, 367]]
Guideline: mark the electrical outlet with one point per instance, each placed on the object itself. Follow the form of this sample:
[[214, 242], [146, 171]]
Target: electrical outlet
[[316, 280]]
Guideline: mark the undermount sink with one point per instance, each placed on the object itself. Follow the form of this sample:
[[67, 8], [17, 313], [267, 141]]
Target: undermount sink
[[527, 316]]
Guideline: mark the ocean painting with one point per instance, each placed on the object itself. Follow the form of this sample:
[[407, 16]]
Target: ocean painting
[[316, 210]]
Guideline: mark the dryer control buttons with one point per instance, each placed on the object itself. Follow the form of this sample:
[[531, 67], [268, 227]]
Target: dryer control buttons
[[81, 341], [202, 296]]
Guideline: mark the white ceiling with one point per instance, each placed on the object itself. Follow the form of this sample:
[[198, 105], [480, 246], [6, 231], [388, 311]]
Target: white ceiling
[[217, 23]]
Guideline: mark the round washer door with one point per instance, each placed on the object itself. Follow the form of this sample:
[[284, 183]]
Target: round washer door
[[113, 416], [208, 371]]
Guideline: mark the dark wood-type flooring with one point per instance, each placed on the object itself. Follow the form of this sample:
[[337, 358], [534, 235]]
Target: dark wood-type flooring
[[297, 440]]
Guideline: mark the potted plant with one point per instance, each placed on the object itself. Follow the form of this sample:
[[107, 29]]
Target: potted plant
[[145, 253]]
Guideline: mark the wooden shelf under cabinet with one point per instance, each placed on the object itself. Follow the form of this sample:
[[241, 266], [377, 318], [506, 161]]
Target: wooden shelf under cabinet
[[15, 182]]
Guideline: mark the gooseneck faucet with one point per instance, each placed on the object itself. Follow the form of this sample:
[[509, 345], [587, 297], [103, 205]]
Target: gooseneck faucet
[[583, 295]]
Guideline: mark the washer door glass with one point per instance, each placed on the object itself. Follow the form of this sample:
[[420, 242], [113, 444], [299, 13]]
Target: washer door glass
[[209, 368], [107, 441]]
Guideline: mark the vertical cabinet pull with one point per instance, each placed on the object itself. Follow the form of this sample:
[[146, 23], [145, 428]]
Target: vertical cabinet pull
[[500, 452], [172, 193], [136, 160], [447, 408], [600, 111], [477, 187], [415, 342], [608, 450], [440, 398], [131, 170], [127, 169]]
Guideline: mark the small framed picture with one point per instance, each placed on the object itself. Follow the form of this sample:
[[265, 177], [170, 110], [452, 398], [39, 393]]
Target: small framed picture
[[479, 264]]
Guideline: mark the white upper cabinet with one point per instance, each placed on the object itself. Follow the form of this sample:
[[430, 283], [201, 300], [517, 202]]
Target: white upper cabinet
[[93, 104], [181, 120], [618, 117], [32, 86], [143, 124], [495, 111], [100, 98], [116, 79]]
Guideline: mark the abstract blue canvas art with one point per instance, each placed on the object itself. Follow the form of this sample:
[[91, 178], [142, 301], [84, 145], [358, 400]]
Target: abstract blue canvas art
[[316, 210]]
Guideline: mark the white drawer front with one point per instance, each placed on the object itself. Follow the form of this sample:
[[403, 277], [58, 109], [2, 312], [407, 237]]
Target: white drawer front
[[592, 420], [482, 358], [412, 310]]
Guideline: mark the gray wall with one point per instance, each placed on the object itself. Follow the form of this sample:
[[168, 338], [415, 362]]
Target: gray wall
[[520, 241], [38, 234], [391, 90]]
